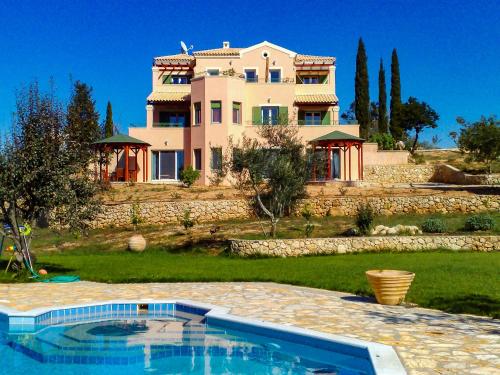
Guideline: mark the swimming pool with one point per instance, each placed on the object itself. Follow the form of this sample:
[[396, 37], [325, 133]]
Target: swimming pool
[[175, 337]]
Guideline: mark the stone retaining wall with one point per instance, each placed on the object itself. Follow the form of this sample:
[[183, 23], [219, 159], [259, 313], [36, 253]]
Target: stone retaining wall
[[169, 212], [394, 174], [451, 175], [342, 245]]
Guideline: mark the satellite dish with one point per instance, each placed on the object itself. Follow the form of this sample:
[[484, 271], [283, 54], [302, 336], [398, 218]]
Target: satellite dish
[[184, 47]]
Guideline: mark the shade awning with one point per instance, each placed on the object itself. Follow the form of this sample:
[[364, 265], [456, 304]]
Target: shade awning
[[317, 99], [121, 139], [162, 97], [337, 136]]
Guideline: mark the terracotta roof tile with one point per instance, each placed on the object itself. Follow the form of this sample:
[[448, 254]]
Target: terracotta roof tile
[[180, 58], [219, 52], [316, 98], [311, 59], [168, 97]]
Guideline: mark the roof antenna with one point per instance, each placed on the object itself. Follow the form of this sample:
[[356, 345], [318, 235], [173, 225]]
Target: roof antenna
[[184, 48]]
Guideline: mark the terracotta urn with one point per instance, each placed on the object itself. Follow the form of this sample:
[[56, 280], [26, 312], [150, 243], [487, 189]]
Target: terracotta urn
[[390, 286], [137, 243]]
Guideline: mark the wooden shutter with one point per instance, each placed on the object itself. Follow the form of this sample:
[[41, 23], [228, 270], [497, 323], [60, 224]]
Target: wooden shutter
[[256, 116], [283, 115], [325, 118]]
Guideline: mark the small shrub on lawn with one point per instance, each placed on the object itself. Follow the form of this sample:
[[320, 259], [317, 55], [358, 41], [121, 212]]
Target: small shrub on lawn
[[189, 176], [433, 225], [364, 218], [479, 222], [186, 220]]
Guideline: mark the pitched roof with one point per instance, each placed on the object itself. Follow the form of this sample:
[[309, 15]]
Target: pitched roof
[[337, 136], [219, 52], [311, 59], [316, 98], [121, 138], [178, 59], [168, 97]]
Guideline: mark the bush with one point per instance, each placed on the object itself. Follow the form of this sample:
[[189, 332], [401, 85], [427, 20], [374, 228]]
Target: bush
[[364, 218], [186, 220], [189, 176], [433, 225], [384, 141], [479, 222]]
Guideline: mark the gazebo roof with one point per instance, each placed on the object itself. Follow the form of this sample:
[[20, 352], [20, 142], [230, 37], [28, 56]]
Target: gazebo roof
[[338, 136], [122, 139]]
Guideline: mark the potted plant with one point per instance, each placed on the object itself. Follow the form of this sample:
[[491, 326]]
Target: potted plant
[[390, 286], [137, 242]]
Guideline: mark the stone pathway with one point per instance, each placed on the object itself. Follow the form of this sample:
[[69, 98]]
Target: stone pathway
[[427, 341]]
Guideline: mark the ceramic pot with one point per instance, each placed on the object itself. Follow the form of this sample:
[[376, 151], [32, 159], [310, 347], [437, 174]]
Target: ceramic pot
[[390, 286], [137, 243]]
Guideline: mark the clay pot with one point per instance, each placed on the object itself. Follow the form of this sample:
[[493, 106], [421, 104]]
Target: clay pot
[[390, 286], [137, 243]]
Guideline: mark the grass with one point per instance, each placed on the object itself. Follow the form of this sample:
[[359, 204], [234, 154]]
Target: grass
[[456, 282], [458, 160]]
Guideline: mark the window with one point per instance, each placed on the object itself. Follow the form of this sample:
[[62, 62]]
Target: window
[[270, 115], [310, 80], [175, 79], [216, 107], [216, 160], [197, 113], [275, 75], [251, 75], [172, 119], [167, 165], [312, 118], [213, 72], [236, 113], [197, 159]]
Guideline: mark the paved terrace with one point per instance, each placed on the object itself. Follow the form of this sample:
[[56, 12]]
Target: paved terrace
[[427, 341]]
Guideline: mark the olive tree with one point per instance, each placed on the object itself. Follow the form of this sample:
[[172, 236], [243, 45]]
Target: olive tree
[[271, 170], [39, 176], [480, 139]]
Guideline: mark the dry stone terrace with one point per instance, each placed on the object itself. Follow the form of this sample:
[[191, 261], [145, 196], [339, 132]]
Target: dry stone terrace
[[427, 341]]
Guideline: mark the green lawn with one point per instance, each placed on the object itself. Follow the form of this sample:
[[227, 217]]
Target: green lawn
[[462, 282]]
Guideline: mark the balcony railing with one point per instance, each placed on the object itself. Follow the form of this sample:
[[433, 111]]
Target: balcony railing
[[296, 123], [170, 125]]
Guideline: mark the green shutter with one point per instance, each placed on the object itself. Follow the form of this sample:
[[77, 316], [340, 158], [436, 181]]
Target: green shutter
[[325, 118], [167, 79], [302, 116], [283, 115], [322, 79], [215, 105], [236, 105], [256, 116]]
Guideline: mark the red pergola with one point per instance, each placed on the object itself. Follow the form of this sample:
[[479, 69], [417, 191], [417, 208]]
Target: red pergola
[[343, 142], [121, 144]]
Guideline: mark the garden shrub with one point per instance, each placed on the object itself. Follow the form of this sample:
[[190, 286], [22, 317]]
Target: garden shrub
[[186, 221], [384, 141], [479, 222], [433, 225], [364, 218], [189, 176]]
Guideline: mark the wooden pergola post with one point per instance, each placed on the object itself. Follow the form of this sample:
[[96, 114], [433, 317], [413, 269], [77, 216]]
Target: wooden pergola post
[[349, 148], [358, 148], [143, 165], [329, 168], [126, 162]]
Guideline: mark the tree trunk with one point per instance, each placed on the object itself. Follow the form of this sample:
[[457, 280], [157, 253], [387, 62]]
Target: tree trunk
[[414, 143]]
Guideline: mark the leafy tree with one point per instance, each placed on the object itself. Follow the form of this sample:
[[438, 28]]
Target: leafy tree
[[349, 116], [383, 124], [38, 174], [361, 91], [383, 140], [480, 139], [416, 116], [273, 169], [395, 123], [82, 124], [108, 123]]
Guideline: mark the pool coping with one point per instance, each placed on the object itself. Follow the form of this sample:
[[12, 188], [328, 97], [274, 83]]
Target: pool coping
[[384, 358]]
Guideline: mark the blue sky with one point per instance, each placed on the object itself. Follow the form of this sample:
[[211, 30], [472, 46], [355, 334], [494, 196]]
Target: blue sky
[[449, 51]]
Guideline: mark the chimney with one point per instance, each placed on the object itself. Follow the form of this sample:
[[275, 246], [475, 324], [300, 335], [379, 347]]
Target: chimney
[[225, 44]]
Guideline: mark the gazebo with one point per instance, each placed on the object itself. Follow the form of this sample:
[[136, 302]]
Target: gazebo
[[343, 142], [121, 145]]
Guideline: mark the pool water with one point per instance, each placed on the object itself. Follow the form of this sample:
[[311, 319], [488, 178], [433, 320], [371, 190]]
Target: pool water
[[176, 343]]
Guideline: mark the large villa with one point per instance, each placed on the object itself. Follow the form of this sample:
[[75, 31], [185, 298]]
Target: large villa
[[200, 101]]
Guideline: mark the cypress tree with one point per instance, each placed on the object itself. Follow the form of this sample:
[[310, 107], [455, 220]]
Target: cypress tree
[[82, 124], [395, 124], [108, 124], [362, 96], [382, 101]]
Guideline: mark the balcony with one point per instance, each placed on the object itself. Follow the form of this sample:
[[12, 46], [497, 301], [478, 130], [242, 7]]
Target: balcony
[[173, 88], [170, 125], [314, 89]]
